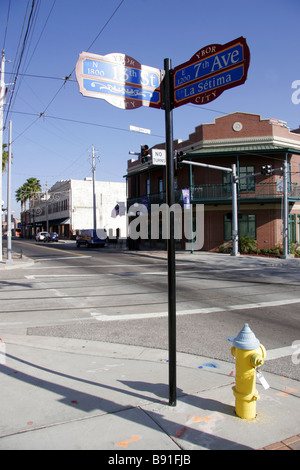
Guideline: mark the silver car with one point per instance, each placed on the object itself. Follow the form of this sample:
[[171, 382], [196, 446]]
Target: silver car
[[41, 236]]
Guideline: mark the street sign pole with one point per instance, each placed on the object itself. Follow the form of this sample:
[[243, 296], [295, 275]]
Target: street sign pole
[[168, 100]]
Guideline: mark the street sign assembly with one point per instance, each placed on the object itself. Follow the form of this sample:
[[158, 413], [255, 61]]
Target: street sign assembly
[[125, 83]]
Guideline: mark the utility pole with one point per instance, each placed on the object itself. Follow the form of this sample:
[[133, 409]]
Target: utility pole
[[2, 99], [94, 192], [9, 248]]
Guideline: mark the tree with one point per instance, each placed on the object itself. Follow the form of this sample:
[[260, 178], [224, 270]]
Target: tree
[[20, 197], [4, 157], [28, 191], [32, 187]]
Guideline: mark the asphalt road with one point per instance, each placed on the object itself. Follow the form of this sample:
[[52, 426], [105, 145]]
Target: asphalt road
[[118, 296]]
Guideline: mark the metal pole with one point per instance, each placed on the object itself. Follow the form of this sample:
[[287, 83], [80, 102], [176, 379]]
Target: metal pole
[[9, 248], [2, 99], [235, 230], [171, 242], [205, 165], [285, 211], [47, 210], [94, 193], [191, 208]]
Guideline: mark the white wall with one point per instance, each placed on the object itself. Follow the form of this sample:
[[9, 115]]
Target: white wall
[[108, 194]]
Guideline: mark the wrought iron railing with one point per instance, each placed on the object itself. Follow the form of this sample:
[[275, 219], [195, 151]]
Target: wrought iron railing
[[223, 193]]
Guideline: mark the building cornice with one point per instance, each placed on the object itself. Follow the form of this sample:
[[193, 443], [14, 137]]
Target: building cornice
[[238, 142]]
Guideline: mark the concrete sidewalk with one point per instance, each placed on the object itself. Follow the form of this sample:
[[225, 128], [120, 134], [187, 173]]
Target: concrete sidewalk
[[59, 393], [18, 260]]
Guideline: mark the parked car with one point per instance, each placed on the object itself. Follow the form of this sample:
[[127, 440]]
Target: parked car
[[41, 236], [51, 237]]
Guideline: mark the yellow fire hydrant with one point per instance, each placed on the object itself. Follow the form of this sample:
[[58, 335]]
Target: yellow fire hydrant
[[249, 354]]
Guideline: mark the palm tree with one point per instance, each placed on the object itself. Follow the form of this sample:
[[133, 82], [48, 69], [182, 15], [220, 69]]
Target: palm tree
[[31, 188], [4, 157], [20, 197], [28, 191]]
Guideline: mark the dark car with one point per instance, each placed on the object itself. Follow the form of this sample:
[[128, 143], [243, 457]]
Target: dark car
[[51, 237]]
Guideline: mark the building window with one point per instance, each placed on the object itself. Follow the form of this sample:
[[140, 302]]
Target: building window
[[227, 181], [160, 185], [292, 228], [247, 184], [247, 226], [148, 187]]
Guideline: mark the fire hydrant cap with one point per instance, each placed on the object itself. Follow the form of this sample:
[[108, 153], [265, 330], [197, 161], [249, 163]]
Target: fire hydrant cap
[[246, 339]]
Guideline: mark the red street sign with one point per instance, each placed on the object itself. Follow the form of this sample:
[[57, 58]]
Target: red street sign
[[211, 71]]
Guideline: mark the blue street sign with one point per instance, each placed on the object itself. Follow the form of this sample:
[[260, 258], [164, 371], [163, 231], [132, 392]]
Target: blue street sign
[[210, 71], [119, 79], [212, 64], [121, 91], [119, 73], [208, 86]]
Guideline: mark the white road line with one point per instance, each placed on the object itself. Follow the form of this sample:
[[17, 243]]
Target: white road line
[[33, 276], [109, 266], [63, 257], [280, 352], [199, 311]]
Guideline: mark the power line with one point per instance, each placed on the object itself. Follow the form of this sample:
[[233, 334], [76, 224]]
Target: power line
[[103, 28], [31, 75], [26, 36], [6, 25], [20, 37], [68, 77], [38, 116], [41, 34], [30, 37]]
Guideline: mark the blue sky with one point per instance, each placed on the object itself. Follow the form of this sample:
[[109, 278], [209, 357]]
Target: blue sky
[[54, 147]]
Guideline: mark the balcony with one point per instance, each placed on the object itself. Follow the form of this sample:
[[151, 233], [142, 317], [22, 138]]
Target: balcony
[[260, 192], [222, 193]]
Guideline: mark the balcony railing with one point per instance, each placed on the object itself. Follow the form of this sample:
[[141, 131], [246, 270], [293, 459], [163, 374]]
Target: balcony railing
[[222, 193]]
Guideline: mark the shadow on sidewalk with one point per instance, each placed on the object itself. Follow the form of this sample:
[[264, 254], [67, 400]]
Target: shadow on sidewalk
[[88, 403]]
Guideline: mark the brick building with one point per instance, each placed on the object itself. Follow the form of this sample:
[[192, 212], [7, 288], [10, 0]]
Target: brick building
[[249, 142]]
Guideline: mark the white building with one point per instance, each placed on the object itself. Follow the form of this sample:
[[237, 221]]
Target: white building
[[68, 207]]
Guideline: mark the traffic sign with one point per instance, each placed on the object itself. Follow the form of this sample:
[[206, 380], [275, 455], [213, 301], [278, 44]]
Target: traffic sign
[[119, 79], [158, 157], [210, 71]]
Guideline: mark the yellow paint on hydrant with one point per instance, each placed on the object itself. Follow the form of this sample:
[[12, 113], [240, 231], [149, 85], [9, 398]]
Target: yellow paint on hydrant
[[249, 354]]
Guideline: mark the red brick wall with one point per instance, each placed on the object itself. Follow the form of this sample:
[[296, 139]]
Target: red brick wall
[[222, 128]]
